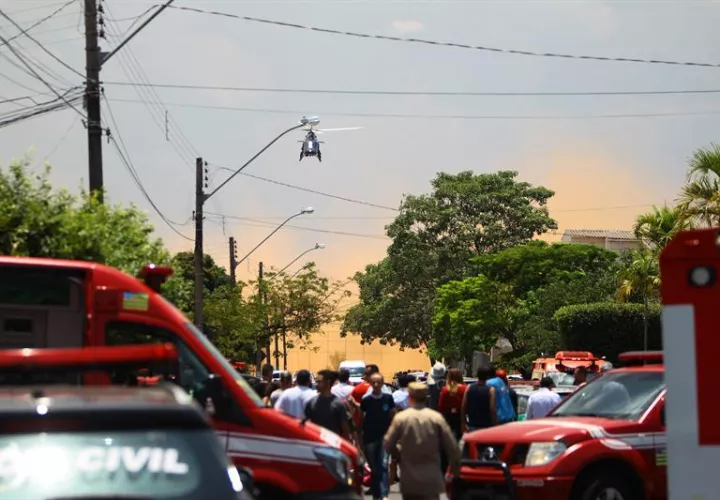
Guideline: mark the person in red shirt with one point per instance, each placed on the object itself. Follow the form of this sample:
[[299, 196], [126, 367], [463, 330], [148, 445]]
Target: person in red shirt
[[450, 402]]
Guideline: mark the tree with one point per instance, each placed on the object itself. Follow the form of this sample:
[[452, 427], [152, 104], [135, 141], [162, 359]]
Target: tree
[[514, 298], [180, 289], [233, 322], [434, 236], [700, 197], [39, 221], [658, 227], [641, 278], [300, 305]]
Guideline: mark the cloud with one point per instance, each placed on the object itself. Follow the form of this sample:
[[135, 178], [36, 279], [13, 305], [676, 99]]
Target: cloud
[[408, 26]]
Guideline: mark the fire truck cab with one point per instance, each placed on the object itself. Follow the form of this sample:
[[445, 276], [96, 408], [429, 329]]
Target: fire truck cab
[[561, 367], [47, 303]]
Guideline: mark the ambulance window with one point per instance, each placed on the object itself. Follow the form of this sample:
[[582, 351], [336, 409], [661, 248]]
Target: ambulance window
[[192, 374]]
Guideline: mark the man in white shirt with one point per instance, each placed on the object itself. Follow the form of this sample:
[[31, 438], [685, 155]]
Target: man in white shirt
[[543, 400], [342, 389], [292, 401]]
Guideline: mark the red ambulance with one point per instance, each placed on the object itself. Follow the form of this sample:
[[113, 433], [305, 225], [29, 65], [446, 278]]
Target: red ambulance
[[47, 303]]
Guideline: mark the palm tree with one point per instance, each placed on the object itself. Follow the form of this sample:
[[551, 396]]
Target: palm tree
[[640, 278], [700, 197], [658, 227]]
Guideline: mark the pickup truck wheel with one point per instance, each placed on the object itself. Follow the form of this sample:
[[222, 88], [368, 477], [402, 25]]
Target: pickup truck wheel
[[604, 487]]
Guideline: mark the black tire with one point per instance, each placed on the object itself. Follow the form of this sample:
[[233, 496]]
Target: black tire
[[603, 486]]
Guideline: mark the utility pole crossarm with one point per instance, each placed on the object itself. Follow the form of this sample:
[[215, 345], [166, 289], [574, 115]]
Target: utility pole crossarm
[[299, 125]]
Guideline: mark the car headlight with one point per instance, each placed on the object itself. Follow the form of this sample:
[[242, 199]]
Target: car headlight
[[336, 463], [544, 453]]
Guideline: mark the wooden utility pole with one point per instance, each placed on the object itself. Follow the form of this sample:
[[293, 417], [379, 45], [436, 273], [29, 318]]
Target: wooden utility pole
[[92, 99], [261, 334], [199, 252], [233, 259]]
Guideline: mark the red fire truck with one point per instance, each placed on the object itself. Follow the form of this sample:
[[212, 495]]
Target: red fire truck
[[46, 303]]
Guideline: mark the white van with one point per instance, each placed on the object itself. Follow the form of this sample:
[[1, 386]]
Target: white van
[[356, 369]]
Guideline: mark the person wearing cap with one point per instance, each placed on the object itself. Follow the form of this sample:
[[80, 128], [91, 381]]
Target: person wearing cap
[[436, 382], [542, 401], [416, 434]]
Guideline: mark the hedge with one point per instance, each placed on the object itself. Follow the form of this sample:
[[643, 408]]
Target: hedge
[[607, 328]]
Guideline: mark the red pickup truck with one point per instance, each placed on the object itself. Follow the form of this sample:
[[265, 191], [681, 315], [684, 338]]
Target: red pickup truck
[[605, 441]]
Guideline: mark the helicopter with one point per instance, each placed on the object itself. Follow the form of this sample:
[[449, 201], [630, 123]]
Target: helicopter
[[311, 144]]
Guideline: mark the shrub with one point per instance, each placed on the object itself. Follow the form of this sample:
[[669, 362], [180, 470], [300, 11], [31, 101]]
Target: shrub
[[607, 328]]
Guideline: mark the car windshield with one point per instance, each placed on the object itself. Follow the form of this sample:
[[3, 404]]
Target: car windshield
[[356, 371], [151, 464], [562, 378], [622, 395], [249, 391]]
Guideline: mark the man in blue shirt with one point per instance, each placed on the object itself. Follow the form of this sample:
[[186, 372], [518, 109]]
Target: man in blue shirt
[[377, 410]]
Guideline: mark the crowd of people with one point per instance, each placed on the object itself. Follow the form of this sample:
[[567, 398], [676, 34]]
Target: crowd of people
[[415, 428]]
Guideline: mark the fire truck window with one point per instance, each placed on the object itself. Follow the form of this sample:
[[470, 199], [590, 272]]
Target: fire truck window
[[192, 374]]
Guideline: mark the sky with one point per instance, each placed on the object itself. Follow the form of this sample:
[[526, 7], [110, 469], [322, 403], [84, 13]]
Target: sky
[[604, 168]]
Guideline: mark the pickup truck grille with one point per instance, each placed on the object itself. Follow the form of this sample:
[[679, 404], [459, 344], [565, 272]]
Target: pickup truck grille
[[508, 453]]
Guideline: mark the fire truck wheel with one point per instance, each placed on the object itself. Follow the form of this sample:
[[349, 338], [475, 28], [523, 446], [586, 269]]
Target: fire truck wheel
[[603, 487]]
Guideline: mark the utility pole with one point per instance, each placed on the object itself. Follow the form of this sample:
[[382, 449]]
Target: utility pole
[[92, 99], [233, 259], [261, 295], [284, 340], [199, 253], [277, 349]]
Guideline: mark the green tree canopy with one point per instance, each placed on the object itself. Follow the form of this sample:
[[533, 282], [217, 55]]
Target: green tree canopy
[[434, 236], [39, 221]]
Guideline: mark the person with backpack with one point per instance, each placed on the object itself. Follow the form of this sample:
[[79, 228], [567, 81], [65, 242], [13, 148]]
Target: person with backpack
[[478, 409], [503, 402]]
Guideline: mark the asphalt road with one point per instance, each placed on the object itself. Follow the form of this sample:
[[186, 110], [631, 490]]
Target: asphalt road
[[395, 494]]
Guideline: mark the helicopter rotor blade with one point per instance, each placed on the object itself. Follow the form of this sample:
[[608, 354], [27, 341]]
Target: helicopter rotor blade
[[323, 130]]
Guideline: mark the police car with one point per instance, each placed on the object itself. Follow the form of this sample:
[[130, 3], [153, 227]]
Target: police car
[[97, 441]]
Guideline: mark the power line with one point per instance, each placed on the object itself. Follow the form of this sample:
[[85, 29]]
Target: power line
[[609, 116], [308, 190], [416, 93], [260, 223], [446, 44], [25, 32], [40, 21], [124, 157]]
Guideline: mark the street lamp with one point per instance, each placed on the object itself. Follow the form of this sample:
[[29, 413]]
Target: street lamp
[[318, 246], [304, 211], [201, 198]]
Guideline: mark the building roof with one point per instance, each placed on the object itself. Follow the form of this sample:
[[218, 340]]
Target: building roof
[[611, 234]]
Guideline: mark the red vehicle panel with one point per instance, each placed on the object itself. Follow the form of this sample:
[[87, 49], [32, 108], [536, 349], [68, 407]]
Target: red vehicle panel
[[47, 303], [608, 436]]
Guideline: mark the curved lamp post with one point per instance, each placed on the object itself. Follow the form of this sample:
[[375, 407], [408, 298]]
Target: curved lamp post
[[318, 246], [304, 211]]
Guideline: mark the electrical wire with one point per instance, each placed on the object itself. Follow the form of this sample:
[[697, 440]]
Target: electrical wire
[[65, 135], [125, 158], [37, 65], [445, 44], [25, 32], [62, 102], [40, 21], [417, 93], [182, 146], [260, 223], [609, 116]]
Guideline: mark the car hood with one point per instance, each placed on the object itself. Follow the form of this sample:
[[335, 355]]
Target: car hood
[[569, 429]]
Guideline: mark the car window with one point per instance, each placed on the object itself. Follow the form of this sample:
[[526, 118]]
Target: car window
[[355, 371], [192, 374], [180, 464], [620, 395]]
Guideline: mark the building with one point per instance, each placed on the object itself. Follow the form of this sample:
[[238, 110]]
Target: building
[[615, 240]]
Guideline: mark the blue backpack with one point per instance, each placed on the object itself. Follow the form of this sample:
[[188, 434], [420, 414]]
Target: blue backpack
[[503, 404]]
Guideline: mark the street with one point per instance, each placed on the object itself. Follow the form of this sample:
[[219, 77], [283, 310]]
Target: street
[[395, 493]]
